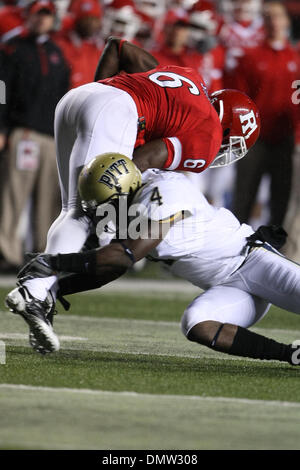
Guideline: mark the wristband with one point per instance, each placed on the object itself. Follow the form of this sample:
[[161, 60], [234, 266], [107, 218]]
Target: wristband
[[128, 252]]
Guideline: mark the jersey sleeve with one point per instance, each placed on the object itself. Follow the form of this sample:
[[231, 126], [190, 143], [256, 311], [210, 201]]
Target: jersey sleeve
[[193, 152], [174, 153]]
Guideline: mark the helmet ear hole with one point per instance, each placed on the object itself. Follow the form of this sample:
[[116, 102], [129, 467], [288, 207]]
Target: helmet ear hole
[[226, 134]]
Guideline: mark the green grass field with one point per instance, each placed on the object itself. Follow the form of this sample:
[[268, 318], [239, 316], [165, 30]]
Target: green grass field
[[126, 378]]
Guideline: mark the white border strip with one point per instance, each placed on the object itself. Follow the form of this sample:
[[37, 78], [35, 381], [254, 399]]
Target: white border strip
[[246, 401], [221, 115]]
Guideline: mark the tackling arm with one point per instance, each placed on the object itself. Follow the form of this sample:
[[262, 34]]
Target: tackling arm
[[110, 262], [121, 55], [95, 268]]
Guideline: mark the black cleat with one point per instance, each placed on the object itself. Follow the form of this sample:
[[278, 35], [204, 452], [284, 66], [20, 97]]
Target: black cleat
[[39, 317]]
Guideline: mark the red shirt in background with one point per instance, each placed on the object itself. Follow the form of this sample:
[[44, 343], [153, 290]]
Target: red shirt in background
[[82, 57], [237, 38], [210, 65], [11, 22], [266, 74], [173, 102]]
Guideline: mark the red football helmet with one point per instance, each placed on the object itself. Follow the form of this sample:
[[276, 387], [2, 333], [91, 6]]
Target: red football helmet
[[240, 121]]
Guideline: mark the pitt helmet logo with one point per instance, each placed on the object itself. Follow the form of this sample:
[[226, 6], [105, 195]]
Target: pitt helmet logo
[[249, 124], [114, 171]]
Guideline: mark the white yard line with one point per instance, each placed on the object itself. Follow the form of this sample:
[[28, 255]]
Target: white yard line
[[118, 320], [90, 344], [25, 336], [147, 353], [245, 401], [87, 318], [166, 323]]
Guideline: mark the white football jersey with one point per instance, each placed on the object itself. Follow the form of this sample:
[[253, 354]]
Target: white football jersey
[[206, 246]]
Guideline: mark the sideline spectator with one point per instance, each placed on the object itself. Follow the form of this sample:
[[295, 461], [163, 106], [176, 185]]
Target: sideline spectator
[[204, 25], [36, 77], [188, 40], [152, 14], [80, 41], [245, 31], [11, 20], [266, 74], [172, 48], [292, 221], [122, 20]]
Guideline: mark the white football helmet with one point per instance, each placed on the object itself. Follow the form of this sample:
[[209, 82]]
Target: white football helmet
[[203, 26], [122, 22], [152, 8], [204, 21]]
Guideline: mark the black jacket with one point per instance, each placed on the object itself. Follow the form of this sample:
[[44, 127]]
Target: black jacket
[[36, 77]]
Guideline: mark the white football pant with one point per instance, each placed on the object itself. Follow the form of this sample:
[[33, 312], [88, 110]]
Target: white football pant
[[89, 120], [265, 278]]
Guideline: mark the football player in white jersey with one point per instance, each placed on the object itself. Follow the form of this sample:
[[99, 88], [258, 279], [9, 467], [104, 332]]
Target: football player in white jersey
[[241, 272]]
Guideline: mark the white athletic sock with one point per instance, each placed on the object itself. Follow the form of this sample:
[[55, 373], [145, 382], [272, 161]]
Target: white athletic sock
[[40, 286], [66, 235]]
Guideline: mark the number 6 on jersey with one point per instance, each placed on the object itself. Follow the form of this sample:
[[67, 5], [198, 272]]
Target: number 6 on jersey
[[175, 82]]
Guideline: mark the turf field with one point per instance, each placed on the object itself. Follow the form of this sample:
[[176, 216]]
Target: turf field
[[126, 378]]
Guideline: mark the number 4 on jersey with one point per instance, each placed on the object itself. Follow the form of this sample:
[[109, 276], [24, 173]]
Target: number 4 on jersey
[[155, 196]]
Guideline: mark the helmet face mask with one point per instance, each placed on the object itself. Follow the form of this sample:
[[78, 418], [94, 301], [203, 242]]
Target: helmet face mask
[[230, 152], [240, 122]]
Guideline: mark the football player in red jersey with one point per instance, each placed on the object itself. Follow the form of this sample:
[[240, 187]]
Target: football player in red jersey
[[178, 126], [160, 117]]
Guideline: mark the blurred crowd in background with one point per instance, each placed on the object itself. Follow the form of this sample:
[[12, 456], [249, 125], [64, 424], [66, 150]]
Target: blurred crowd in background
[[48, 47]]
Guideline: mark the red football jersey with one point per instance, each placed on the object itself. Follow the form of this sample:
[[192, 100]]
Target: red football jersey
[[172, 102]]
